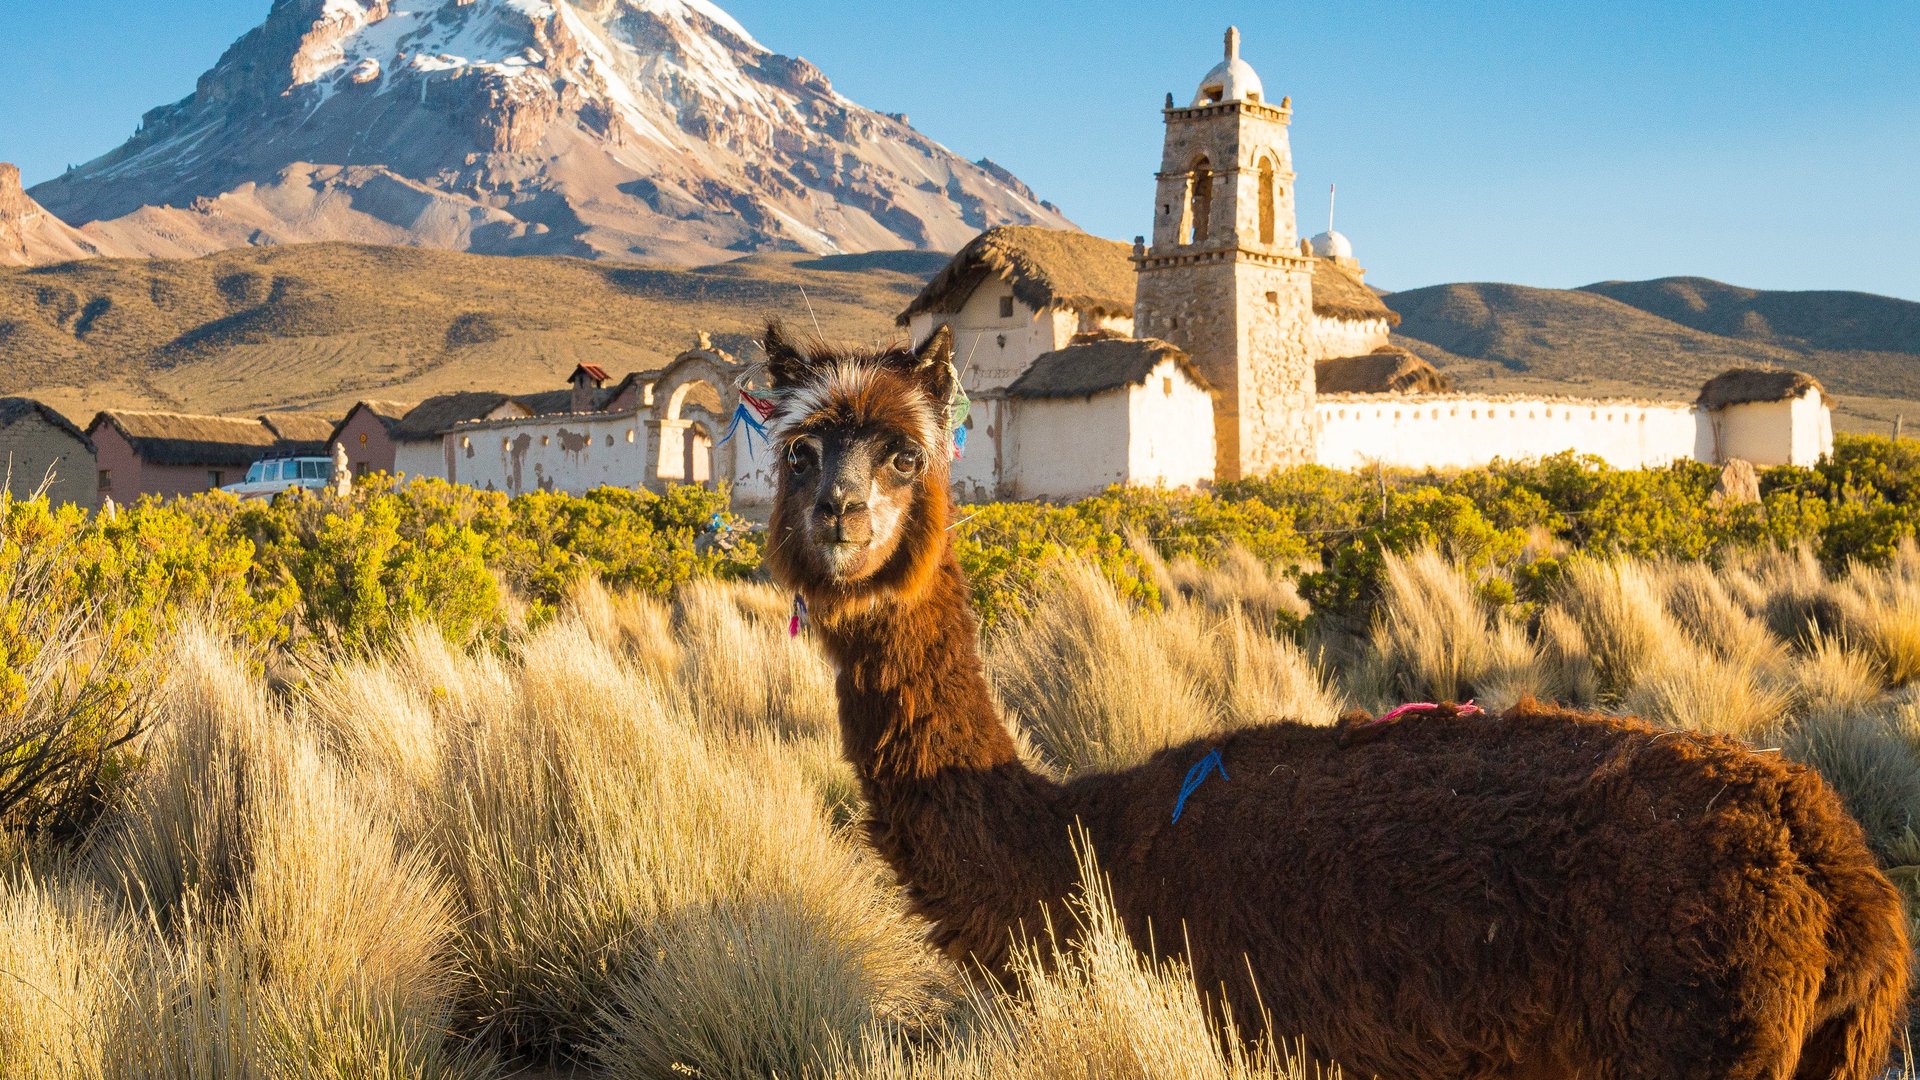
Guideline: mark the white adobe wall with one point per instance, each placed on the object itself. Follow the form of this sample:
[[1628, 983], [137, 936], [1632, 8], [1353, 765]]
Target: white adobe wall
[[754, 474], [1457, 431], [573, 454], [1065, 448], [990, 351], [1794, 432], [424, 457], [1328, 338], [975, 476], [1170, 424]]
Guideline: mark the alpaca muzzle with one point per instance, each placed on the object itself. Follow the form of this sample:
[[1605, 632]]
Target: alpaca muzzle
[[851, 525]]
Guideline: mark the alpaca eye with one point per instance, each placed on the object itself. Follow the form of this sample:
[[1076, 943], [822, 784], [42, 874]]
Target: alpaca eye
[[799, 457], [907, 461]]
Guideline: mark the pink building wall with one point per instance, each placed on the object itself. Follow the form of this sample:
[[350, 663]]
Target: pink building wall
[[369, 446], [126, 478]]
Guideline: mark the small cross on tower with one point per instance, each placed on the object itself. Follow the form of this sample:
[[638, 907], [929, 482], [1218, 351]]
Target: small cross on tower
[[1233, 43]]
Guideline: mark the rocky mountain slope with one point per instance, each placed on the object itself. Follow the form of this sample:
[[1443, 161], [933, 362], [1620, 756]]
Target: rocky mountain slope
[[1667, 336], [29, 235], [324, 325], [638, 129]]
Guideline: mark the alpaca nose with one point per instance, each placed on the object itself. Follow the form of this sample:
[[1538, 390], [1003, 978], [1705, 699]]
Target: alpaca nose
[[837, 501]]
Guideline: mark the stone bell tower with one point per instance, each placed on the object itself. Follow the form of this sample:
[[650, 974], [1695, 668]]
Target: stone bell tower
[[1225, 279]]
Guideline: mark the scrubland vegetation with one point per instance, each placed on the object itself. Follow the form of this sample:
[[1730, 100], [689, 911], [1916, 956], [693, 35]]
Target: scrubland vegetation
[[439, 784]]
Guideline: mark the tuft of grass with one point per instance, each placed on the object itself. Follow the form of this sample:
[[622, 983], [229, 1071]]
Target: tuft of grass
[[1880, 610], [1703, 605], [1089, 1007], [739, 669], [1623, 622], [1710, 694], [1090, 682], [64, 958], [1436, 636], [1871, 766], [1830, 676]]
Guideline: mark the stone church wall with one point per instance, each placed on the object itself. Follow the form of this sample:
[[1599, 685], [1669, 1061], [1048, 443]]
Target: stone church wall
[[1459, 431]]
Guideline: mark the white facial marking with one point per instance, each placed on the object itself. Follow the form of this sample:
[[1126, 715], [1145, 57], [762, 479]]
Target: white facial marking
[[885, 509]]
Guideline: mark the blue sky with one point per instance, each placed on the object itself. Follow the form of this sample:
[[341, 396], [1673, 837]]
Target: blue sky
[[1767, 144]]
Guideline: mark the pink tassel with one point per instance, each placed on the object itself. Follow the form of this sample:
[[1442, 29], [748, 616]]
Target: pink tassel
[[1469, 709], [799, 620]]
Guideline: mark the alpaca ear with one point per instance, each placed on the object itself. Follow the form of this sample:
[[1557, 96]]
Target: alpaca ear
[[933, 365], [786, 365]]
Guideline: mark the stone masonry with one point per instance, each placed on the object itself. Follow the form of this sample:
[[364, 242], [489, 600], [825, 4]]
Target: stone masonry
[[1225, 280]]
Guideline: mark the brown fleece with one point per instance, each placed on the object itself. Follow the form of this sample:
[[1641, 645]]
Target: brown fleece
[[1543, 893]]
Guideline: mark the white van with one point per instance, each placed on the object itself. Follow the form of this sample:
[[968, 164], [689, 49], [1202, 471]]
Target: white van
[[270, 477]]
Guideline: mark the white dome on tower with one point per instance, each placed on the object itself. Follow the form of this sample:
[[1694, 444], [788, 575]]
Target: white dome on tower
[[1331, 245], [1232, 79]]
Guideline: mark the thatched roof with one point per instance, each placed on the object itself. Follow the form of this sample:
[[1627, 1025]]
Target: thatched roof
[[1741, 386], [1338, 294], [301, 432], [388, 413], [178, 439], [1095, 365], [551, 402], [1048, 268], [1386, 370], [437, 415], [15, 409]]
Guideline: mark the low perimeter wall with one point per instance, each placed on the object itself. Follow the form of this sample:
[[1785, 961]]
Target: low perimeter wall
[[1459, 431]]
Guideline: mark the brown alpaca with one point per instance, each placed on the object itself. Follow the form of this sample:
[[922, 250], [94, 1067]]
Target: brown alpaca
[[1539, 894]]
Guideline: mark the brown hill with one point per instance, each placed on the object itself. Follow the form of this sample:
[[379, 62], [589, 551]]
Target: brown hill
[[29, 236], [327, 324], [1668, 336]]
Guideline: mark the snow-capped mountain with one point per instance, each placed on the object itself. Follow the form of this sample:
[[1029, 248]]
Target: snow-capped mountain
[[655, 129]]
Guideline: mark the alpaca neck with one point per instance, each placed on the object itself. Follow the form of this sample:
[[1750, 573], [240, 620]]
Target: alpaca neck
[[972, 832], [914, 702]]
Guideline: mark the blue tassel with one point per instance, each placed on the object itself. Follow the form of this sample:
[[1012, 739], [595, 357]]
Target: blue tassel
[[743, 415], [959, 441], [1197, 775]]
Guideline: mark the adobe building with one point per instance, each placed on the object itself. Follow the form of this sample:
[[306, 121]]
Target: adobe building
[[367, 435], [159, 453], [1284, 334], [156, 453], [40, 446]]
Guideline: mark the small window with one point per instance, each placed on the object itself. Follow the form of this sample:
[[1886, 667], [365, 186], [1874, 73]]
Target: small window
[[629, 434], [363, 438], [360, 468], [106, 481], [1006, 307], [1273, 298], [545, 439], [609, 440], [1173, 323], [216, 478]]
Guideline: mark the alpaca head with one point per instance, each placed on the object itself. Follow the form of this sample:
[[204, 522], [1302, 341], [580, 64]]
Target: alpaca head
[[862, 448]]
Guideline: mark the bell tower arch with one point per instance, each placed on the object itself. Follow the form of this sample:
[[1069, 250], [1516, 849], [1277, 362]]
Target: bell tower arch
[[1224, 278]]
